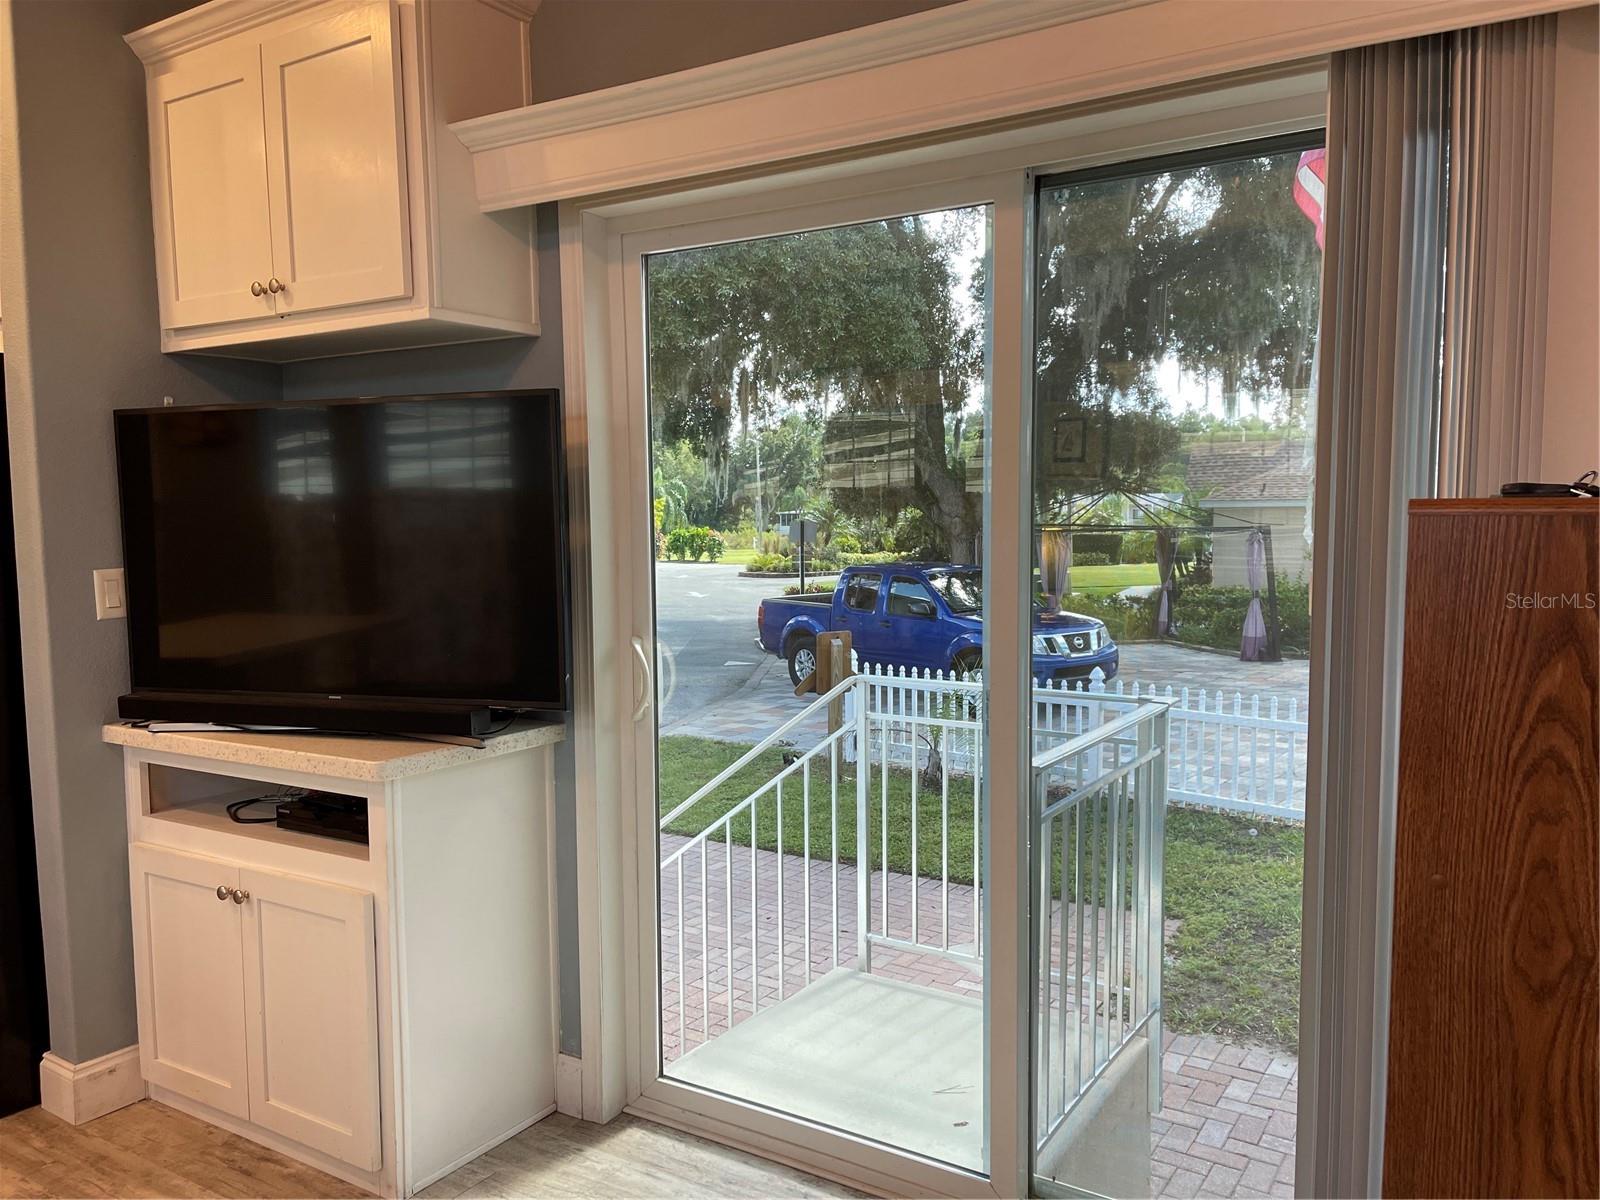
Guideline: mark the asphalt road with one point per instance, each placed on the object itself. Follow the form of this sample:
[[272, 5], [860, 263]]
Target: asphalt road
[[705, 631]]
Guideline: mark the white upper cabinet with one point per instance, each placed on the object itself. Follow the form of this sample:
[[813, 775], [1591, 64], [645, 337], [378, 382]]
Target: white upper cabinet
[[215, 243], [309, 199], [339, 219]]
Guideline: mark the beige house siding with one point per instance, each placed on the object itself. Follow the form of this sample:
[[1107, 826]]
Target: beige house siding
[[1291, 552]]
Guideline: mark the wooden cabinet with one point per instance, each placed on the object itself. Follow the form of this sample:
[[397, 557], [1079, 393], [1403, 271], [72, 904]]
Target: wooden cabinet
[[308, 197], [258, 997], [1495, 1000]]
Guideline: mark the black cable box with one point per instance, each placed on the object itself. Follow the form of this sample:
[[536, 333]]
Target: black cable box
[[326, 814]]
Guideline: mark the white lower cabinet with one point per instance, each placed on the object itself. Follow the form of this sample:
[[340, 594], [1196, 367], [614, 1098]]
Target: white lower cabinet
[[190, 977], [258, 996], [383, 1010]]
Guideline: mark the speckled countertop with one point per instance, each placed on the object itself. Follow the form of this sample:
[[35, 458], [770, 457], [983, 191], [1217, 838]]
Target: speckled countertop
[[370, 759]]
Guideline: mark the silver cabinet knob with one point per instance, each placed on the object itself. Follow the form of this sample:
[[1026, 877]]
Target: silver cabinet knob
[[256, 289], [223, 891], [240, 895], [274, 286]]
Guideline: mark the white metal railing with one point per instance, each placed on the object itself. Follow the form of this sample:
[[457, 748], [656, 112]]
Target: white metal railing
[[744, 927], [1229, 751], [1098, 813]]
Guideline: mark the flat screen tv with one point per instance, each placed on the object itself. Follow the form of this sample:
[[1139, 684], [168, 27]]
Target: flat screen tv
[[379, 565]]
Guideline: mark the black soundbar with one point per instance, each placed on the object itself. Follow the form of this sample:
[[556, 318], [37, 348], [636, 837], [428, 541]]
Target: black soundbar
[[417, 718]]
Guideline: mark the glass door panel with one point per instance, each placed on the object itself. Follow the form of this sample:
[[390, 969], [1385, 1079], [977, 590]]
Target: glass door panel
[[817, 413], [1176, 308]]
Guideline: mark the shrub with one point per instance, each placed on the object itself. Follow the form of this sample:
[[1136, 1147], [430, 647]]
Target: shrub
[[870, 557], [695, 542], [743, 535], [844, 543], [1126, 617], [1090, 558], [813, 586], [770, 562], [1139, 547], [819, 558], [1214, 616], [1108, 544]]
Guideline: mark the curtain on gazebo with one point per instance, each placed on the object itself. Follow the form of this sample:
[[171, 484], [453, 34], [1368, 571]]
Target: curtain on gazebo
[[1254, 641], [1055, 567], [1166, 549]]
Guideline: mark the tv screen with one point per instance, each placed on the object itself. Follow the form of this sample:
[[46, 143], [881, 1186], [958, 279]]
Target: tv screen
[[406, 548]]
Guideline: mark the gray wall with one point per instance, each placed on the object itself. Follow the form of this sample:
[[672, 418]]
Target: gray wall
[[78, 291], [585, 45]]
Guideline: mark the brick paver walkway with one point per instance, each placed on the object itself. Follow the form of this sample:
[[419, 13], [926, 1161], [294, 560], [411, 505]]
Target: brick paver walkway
[[1227, 1122]]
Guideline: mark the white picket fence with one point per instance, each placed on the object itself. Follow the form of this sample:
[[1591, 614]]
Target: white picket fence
[[1227, 751]]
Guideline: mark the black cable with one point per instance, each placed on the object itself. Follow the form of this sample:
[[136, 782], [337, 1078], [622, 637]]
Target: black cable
[[238, 806]]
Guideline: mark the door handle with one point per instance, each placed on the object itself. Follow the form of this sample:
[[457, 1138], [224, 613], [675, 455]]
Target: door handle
[[643, 691]]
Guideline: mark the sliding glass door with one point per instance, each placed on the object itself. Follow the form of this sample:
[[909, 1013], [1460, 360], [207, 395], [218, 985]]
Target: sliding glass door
[[967, 564], [817, 409], [1176, 306]]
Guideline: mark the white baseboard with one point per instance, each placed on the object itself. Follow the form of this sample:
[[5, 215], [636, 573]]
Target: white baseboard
[[80, 1092], [569, 1085]]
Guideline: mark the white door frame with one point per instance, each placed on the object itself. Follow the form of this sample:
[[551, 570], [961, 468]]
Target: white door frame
[[602, 248], [804, 1142]]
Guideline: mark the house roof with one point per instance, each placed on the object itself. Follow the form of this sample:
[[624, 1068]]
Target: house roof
[[1246, 472]]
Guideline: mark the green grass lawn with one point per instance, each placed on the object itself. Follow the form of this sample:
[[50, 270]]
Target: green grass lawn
[[1101, 580], [1233, 966]]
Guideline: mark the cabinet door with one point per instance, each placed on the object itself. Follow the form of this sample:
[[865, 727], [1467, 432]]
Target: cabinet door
[[336, 159], [209, 181], [311, 1014], [189, 976]]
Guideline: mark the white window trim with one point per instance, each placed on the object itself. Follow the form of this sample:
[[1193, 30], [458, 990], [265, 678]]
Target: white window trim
[[601, 244]]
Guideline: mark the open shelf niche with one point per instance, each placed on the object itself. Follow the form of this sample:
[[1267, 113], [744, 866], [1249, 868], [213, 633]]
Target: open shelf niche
[[200, 800]]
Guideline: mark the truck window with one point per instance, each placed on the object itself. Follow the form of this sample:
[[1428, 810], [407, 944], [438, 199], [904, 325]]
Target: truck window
[[861, 593], [908, 598]]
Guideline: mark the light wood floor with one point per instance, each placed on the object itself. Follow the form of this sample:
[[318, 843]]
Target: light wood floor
[[148, 1150]]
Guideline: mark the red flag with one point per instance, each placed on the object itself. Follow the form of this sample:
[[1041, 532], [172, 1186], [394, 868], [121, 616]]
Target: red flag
[[1311, 187]]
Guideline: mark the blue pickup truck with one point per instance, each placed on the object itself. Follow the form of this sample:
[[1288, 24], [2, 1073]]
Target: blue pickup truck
[[923, 615]]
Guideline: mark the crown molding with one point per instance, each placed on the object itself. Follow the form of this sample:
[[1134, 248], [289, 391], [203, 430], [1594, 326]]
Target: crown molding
[[951, 72], [197, 27], [208, 23], [881, 44]]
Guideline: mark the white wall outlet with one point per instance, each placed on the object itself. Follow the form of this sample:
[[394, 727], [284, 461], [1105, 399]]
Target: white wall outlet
[[110, 600]]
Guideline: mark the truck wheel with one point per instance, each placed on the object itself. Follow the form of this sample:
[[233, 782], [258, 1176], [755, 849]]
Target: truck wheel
[[802, 658], [968, 662]]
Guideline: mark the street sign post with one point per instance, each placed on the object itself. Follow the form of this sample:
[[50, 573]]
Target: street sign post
[[802, 532]]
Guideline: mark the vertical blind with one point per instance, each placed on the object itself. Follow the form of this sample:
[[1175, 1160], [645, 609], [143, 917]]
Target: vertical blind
[[1501, 152], [1430, 382]]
